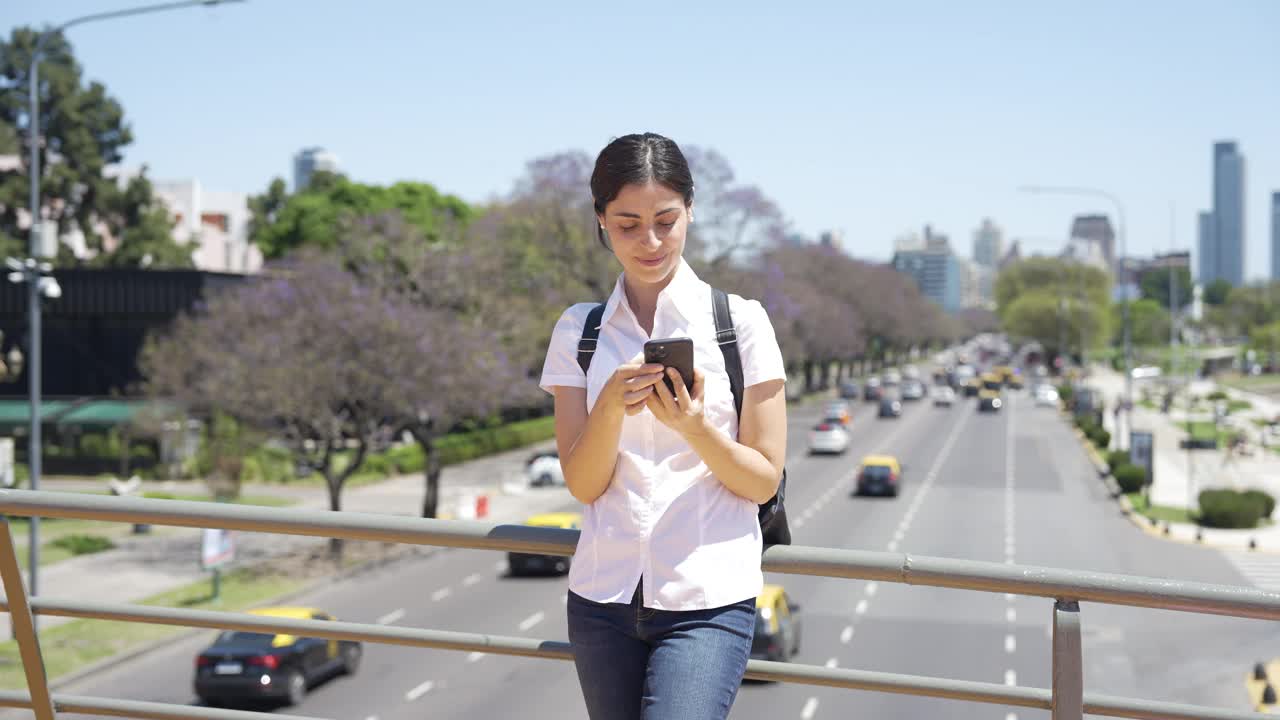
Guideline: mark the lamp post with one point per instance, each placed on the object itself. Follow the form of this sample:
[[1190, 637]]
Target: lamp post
[[1124, 295], [32, 270]]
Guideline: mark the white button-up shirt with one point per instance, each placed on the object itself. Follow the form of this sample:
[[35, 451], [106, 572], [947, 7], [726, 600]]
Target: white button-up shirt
[[665, 518]]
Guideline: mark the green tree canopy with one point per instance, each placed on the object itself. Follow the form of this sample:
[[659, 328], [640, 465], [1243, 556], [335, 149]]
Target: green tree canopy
[[1216, 292], [1148, 323], [1156, 285], [1052, 301], [312, 218]]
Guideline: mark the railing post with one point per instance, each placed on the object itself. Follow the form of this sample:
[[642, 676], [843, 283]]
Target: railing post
[[23, 627], [1068, 663]]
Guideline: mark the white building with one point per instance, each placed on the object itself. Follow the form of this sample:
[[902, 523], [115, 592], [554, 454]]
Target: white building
[[308, 162], [216, 221], [1088, 251], [977, 285]]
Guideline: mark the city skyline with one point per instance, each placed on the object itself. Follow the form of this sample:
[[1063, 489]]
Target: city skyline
[[467, 108]]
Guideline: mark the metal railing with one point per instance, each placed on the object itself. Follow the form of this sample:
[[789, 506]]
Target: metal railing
[[1066, 698]]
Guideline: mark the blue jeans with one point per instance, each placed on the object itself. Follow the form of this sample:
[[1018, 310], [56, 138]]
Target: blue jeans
[[635, 663]]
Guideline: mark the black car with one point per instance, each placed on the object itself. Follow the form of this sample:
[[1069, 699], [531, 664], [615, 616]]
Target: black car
[[848, 390], [989, 403], [251, 666], [890, 408], [871, 392]]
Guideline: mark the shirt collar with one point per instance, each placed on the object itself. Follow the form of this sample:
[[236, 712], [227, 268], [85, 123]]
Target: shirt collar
[[685, 293]]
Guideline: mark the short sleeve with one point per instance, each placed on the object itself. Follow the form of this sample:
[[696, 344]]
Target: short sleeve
[[561, 366], [761, 356]]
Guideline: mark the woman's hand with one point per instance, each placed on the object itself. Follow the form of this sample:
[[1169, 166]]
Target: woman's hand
[[683, 411], [631, 386]]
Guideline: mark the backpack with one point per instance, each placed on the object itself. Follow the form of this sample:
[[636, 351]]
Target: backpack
[[772, 514]]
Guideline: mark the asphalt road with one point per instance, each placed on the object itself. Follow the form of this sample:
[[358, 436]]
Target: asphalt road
[[1008, 487]]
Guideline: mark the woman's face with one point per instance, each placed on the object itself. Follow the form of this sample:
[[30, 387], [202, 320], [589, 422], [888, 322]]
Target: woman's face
[[646, 226]]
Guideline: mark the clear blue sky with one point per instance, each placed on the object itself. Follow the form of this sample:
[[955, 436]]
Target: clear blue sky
[[873, 118]]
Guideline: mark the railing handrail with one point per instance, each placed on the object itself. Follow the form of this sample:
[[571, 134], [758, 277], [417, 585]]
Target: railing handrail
[[905, 568], [1065, 586]]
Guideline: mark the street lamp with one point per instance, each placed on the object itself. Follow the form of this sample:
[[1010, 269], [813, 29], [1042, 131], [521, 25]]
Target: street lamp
[[1124, 295], [32, 270]]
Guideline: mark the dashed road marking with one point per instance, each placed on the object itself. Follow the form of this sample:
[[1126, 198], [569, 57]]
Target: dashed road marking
[[474, 656], [893, 546], [833, 662], [847, 634], [532, 620], [1011, 716], [391, 617], [861, 607], [470, 580], [1010, 677], [871, 588], [441, 594], [500, 566], [810, 707], [1010, 643], [419, 691], [1011, 615]]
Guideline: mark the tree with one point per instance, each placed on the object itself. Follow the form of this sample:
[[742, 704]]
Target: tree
[[311, 219], [144, 231], [1156, 285], [1148, 323], [1216, 292], [732, 219], [330, 365], [83, 132]]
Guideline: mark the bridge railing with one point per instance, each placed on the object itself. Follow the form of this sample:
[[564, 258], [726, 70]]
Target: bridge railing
[[1066, 699]]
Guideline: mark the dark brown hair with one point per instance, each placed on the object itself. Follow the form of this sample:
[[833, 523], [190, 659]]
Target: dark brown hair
[[638, 159]]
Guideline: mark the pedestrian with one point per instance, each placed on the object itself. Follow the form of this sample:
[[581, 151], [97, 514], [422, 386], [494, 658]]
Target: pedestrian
[[661, 605]]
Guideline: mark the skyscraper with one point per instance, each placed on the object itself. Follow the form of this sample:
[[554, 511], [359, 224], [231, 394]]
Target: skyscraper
[[1275, 235], [988, 244], [1096, 229], [1207, 265], [1228, 212], [308, 161]]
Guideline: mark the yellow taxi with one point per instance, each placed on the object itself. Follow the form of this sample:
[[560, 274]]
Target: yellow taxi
[[972, 386], [1003, 372], [879, 475], [243, 665], [989, 396], [777, 626], [1262, 694], [523, 563]]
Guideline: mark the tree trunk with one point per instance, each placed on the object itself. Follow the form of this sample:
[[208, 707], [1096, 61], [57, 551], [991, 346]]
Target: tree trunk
[[335, 480], [431, 470], [808, 376]]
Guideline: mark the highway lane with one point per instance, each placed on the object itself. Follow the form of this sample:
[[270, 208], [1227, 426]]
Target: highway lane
[[956, 502]]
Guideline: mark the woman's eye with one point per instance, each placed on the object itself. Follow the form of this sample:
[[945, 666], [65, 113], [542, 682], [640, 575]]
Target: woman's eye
[[667, 225], [628, 228]]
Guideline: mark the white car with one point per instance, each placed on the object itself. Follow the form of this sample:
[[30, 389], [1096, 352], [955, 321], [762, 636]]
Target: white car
[[828, 436], [1046, 396], [943, 396]]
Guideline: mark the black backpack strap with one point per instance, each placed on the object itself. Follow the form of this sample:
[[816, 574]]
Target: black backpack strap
[[727, 337], [590, 332]]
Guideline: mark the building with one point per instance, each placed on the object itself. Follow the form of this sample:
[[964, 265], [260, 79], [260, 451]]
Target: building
[[1275, 235], [977, 285], [988, 244], [1207, 267], [217, 222], [1087, 251], [1096, 229], [1228, 240], [936, 271], [308, 162]]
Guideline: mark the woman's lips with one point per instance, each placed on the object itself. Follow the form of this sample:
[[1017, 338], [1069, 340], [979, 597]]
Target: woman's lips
[[652, 263]]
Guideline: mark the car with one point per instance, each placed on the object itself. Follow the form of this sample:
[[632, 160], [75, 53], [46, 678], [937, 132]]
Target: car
[[871, 391], [543, 469], [878, 475], [777, 635], [525, 563], [1046, 396], [837, 411], [912, 390], [943, 396], [244, 666], [828, 437], [911, 372], [890, 408], [972, 386], [989, 401], [1015, 382], [849, 390], [891, 377]]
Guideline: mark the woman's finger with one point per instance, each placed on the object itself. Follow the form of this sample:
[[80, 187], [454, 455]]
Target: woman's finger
[[681, 391], [664, 395]]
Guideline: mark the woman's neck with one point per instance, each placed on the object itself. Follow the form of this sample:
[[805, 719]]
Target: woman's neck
[[642, 298]]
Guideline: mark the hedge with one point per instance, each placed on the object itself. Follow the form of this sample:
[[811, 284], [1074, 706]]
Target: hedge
[[1100, 437], [1232, 509], [1131, 478], [1259, 496], [83, 544], [1116, 458]]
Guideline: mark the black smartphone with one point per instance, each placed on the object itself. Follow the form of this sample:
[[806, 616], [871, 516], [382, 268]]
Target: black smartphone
[[672, 352]]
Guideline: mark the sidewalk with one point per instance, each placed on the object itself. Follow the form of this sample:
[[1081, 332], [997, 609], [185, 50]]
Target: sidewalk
[[168, 558], [1179, 475]]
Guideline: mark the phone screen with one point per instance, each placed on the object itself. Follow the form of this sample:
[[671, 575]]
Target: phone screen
[[672, 352]]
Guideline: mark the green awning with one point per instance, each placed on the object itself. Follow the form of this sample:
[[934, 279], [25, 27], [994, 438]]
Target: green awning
[[18, 412], [102, 413]]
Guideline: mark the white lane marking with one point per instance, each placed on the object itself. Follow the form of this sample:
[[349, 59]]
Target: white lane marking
[[799, 522], [1009, 596], [372, 717], [441, 594], [1011, 615], [500, 565], [861, 607], [391, 617], [833, 662], [1010, 643], [893, 546], [474, 656], [847, 634], [899, 534], [810, 707], [419, 691], [1011, 716], [470, 580], [532, 620], [871, 588], [1010, 677]]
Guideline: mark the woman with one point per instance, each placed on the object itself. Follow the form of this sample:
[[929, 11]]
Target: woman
[[661, 607]]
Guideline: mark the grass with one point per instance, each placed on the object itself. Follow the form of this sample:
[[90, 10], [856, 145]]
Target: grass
[[1159, 512], [1267, 384], [1205, 429], [262, 500], [72, 645]]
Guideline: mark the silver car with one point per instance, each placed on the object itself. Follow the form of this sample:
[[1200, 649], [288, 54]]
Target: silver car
[[828, 437]]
